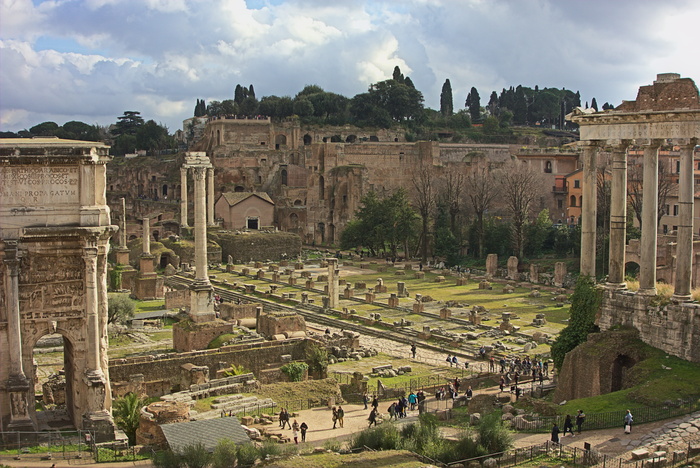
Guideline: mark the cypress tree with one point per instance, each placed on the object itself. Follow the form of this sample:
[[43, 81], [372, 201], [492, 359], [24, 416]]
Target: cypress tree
[[446, 103]]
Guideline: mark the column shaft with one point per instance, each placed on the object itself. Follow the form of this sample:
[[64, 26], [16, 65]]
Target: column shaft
[[146, 250], [618, 216], [200, 225], [14, 332], [589, 209], [122, 226], [91, 308], [650, 210], [210, 197], [183, 196], [684, 248]]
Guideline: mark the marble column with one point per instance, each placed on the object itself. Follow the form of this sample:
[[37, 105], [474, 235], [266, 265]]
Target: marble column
[[589, 208], [200, 225], [650, 210], [14, 333], [122, 226], [210, 197], [684, 248], [183, 196], [146, 250], [92, 346], [618, 214], [333, 283]]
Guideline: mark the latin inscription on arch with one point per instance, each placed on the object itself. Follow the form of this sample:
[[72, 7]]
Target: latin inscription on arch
[[21, 186]]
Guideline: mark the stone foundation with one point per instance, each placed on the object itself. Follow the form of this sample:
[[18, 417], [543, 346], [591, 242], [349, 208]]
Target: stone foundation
[[190, 336], [279, 323], [673, 328]]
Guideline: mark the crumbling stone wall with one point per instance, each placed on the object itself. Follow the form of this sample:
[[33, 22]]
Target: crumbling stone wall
[[246, 247], [231, 311], [593, 367], [278, 323], [155, 414], [190, 336]]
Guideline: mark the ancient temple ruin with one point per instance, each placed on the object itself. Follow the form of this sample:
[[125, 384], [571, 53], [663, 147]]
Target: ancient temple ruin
[[54, 240], [664, 113]]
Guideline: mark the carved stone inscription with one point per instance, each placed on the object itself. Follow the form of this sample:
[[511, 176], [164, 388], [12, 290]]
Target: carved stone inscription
[[21, 186], [51, 287]]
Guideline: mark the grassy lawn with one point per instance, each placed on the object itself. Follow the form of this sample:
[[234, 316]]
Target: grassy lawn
[[148, 306], [386, 458]]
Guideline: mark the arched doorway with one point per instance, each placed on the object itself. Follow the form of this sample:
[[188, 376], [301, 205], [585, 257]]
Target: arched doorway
[[307, 139], [631, 270], [293, 221], [620, 366]]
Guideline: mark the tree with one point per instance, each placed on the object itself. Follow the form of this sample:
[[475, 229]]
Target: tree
[[584, 305], [75, 130], [127, 413], [317, 358], [482, 192], [446, 104], [397, 75], [594, 104], [45, 129], [473, 102], [493, 104], [424, 198], [303, 107], [249, 106], [239, 94], [119, 308], [537, 234], [128, 123], [521, 186], [153, 137]]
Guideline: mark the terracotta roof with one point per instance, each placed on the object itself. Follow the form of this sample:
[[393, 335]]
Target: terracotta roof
[[233, 198]]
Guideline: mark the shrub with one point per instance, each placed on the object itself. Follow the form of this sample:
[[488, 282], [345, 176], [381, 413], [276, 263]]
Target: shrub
[[332, 444], [195, 456], [269, 448], [167, 459], [295, 371], [224, 455], [247, 455], [493, 436]]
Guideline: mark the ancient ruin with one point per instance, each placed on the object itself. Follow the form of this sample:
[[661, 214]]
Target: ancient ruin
[[666, 112], [54, 239]]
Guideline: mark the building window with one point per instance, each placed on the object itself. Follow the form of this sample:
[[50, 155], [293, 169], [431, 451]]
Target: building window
[[678, 167], [252, 223], [560, 204], [675, 210], [577, 183], [665, 229], [675, 228], [667, 209], [284, 176], [548, 167], [573, 201]]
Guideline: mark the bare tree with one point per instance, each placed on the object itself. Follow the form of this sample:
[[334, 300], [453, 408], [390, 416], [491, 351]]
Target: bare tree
[[452, 194], [521, 188], [424, 198], [482, 193], [635, 173]]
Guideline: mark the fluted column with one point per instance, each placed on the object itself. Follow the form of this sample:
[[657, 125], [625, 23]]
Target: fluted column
[[618, 214], [183, 196], [684, 249], [210, 197], [650, 210], [200, 224], [589, 208]]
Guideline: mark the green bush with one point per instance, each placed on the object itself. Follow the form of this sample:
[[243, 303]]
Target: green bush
[[195, 456], [167, 459], [493, 435], [247, 455], [295, 371], [224, 455], [269, 448]]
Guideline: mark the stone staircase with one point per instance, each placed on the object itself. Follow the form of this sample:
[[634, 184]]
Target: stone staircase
[[234, 404]]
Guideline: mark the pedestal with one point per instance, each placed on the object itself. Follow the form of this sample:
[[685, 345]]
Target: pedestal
[[202, 302]]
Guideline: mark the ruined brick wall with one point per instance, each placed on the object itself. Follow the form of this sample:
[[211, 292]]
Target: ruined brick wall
[[253, 357], [277, 323], [231, 311], [191, 336], [258, 245], [177, 298], [674, 328]]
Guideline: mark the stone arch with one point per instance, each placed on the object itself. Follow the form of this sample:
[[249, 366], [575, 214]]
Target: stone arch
[[294, 221], [298, 202], [280, 141], [307, 139], [132, 237], [620, 366], [373, 138], [164, 190], [351, 139], [548, 167], [283, 174], [321, 233], [580, 200], [239, 188], [631, 268], [331, 233]]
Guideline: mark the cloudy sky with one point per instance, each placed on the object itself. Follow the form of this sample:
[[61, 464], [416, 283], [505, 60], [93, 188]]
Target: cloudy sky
[[90, 60]]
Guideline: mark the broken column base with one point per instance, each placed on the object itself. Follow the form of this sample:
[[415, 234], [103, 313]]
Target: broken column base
[[148, 288], [101, 424]]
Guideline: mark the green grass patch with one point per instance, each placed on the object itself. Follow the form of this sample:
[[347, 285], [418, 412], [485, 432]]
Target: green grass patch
[[148, 306], [386, 458]]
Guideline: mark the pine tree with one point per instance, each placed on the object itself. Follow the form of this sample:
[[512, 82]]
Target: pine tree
[[238, 94], [251, 92], [446, 102], [594, 104], [474, 104]]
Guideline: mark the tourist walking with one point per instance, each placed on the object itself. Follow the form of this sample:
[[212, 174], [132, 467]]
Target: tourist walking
[[469, 393], [365, 400], [580, 418], [413, 350], [341, 415], [295, 432], [375, 402], [372, 417], [412, 400], [392, 410], [449, 359], [303, 428], [335, 416], [568, 425], [628, 422], [555, 433]]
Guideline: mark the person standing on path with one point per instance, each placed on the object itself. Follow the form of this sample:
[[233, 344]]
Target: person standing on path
[[303, 428], [413, 350], [628, 422], [372, 417], [375, 403], [295, 432], [555, 433], [335, 416], [341, 415], [449, 359], [580, 418], [365, 400], [568, 425]]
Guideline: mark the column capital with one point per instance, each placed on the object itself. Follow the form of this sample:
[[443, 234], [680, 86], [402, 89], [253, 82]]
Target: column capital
[[200, 172], [617, 145], [183, 171], [684, 142], [12, 258]]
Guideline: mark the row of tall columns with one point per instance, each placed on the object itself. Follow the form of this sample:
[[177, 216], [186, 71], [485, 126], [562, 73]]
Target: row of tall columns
[[209, 209], [650, 209]]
